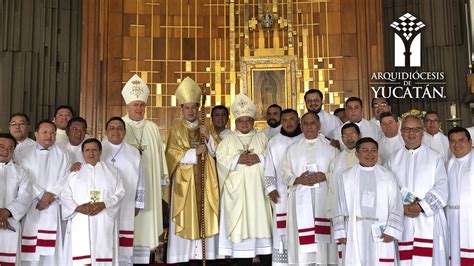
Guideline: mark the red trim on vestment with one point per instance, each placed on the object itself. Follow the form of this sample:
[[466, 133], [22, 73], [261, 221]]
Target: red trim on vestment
[[305, 240], [46, 243], [125, 242], [47, 232], [81, 257], [103, 260], [281, 224], [28, 248]]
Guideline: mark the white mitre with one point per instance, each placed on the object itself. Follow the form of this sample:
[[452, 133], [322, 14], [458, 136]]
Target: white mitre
[[243, 106], [135, 90]]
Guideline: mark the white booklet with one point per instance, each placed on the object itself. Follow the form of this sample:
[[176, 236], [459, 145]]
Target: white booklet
[[408, 197], [312, 168], [377, 231]]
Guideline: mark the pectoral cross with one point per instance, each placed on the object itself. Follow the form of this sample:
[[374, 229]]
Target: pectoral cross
[[246, 150], [140, 147]]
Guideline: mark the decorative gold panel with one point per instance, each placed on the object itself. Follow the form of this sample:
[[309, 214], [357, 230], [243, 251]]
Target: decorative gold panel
[[215, 42]]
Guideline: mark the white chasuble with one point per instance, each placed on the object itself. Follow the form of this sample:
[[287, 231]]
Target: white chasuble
[[367, 129], [460, 209], [309, 225], [275, 180], [145, 136], [438, 142], [368, 198], [389, 146], [42, 235], [126, 159], [421, 173], [15, 195], [92, 239], [246, 216]]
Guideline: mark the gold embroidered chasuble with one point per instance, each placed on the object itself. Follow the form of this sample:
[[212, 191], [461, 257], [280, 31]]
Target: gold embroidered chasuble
[[186, 188]]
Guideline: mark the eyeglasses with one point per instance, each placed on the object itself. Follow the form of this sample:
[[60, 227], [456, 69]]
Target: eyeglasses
[[21, 124], [6, 148], [415, 130], [379, 105]]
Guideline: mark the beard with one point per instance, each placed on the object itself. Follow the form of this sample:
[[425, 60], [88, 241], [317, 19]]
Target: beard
[[273, 123]]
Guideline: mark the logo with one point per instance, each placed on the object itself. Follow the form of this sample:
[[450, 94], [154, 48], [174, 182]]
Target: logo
[[407, 41], [411, 84]]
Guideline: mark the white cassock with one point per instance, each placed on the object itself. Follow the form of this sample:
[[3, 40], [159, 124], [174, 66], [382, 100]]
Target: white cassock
[[270, 132], [367, 129], [42, 234], [126, 159], [329, 123], [389, 146], [246, 215], [309, 225], [149, 223], [422, 173], [375, 121], [61, 135], [75, 152], [368, 198], [343, 161], [439, 142], [21, 146], [275, 180], [460, 209], [92, 239], [15, 195]]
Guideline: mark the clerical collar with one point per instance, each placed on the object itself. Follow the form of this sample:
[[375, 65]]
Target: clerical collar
[[366, 168], [357, 123], [39, 147], [194, 124], [4, 164], [414, 149], [293, 134], [93, 166], [311, 140], [115, 145]]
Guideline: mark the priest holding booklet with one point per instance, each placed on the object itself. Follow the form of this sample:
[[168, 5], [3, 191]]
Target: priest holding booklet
[[91, 203]]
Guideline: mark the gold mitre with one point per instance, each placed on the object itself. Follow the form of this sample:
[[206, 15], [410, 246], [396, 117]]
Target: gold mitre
[[188, 91], [135, 90], [243, 106]]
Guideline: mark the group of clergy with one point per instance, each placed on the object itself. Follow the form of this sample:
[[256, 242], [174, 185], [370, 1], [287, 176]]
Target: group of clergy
[[320, 189]]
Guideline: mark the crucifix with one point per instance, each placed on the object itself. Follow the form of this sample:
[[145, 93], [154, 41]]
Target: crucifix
[[141, 148], [246, 149]]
